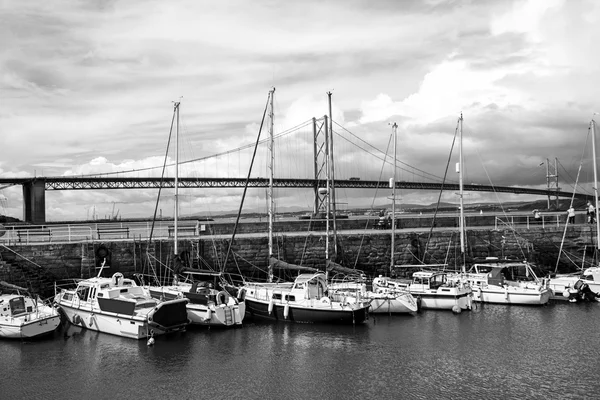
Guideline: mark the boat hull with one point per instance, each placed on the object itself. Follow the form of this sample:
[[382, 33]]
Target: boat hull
[[311, 313], [389, 304], [164, 318], [18, 328], [204, 312], [436, 300], [216, 316], [498, 295]]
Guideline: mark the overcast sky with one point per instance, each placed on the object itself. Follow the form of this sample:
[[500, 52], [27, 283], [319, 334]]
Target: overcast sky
[[87, 87]]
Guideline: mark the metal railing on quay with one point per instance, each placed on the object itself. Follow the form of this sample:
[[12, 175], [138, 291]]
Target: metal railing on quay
[[164, 229]]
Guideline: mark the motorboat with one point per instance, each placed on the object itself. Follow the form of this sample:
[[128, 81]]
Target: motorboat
[[305, 300], [507, 282], [432, 290], [117, 305], [23, 316], [207, 305], [577, 286]]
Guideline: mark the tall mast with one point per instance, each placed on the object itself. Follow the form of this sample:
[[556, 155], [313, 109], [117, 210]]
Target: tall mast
[[271, 202], [328, 189], [595, 184], [393, 185], [176, 179], [332, 177], [460, 195]]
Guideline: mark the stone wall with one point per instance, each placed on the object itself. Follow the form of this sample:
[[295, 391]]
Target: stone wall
[[40, 266]]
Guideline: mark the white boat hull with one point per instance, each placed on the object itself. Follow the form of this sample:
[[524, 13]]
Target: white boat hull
[[138, 326], [223, 315], [434, 300], [392, 304], [561, 284], [30, 327], [511, 295]]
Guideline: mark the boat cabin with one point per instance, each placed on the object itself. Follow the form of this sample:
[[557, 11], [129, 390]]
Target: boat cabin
[[591, 274], [314, 286], [513, 271], [201, 293], [428, 279], [14, 306], [116, 294]]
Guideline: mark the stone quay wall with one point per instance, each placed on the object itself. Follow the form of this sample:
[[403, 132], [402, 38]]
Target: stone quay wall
[[40, 266]]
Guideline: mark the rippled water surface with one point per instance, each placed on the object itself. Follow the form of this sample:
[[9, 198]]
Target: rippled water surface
[[493, 352]]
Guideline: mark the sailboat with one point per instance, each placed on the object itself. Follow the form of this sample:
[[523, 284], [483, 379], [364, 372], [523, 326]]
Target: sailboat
[[23, 316], [206, 304], [498, 281], [431, 289], [390, 299], [584, 285], [307, 299]]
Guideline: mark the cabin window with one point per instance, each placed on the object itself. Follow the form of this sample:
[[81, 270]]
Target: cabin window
[[123, 290], [68, 296], [83, 292], [276, 296], [289, 297], [17, 305]]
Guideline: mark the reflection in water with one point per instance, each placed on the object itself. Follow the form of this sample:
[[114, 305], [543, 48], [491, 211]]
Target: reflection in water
[[492, 352]]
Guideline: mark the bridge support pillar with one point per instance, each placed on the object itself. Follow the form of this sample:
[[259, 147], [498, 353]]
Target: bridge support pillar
[[34, 201]]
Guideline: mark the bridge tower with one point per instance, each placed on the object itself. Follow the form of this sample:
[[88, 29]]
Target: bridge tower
[[34, 201], [552, 181], [321, 153]]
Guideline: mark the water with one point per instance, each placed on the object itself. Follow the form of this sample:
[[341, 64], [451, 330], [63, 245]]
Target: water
[[493, 352]]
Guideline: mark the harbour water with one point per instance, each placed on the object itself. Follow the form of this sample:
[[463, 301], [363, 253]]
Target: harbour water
[[491, 352]]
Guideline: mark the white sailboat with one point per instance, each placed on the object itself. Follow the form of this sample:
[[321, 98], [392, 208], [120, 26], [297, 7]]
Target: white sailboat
[[498, 281], [431, 289], [584, 285], [309, 298], [207, 305], [23, 316]]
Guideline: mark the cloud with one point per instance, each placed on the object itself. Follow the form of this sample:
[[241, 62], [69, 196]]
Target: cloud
[[88, 88]]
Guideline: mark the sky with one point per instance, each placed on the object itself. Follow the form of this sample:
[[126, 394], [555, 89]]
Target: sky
[[88, 88]]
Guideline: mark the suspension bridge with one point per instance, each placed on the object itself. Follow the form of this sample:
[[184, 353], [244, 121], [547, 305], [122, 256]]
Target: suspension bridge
[[298, 158]]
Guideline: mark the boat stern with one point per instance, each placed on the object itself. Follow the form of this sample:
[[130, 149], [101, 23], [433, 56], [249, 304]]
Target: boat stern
[[169, 316]]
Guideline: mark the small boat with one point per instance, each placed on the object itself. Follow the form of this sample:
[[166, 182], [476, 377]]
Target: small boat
[[306, 300], [584, 286], [432, 290], [24, 317], [207, 305], [507, 282], [118, 306], [384, 300]]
